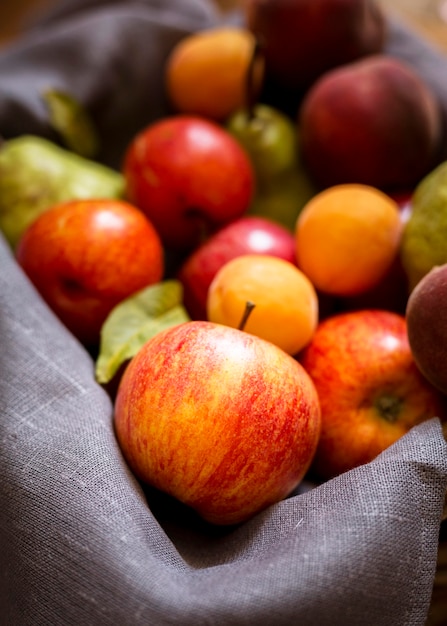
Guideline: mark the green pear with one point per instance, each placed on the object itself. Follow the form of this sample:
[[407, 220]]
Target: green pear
[[283, 198], [271, 139], [35, 174], [423, 244]]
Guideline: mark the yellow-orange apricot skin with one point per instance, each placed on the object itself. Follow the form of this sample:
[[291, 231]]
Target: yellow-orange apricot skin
[[347, 238], [286, 303], [207, 72]]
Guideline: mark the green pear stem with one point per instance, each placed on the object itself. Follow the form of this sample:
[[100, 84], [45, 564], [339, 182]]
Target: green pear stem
[[251, 92], [249, 306]]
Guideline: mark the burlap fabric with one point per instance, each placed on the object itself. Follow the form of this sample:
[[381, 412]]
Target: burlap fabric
[[81, 543]]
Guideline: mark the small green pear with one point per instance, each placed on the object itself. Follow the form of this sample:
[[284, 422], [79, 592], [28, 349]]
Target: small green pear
[[283, 198], [271, 139], [423, 244], [36, 173]]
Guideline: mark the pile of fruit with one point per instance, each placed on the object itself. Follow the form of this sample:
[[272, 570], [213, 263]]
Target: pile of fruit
[[263, 286]]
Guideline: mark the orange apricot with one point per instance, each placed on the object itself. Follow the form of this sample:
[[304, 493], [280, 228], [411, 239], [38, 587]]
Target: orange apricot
[[347, 238], [285, 302], [207, 73]]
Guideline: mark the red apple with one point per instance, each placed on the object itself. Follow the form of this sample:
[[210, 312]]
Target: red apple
[[370, 389], [85, 256], [222, 420], [374, 121], [189, 176], [246, 235], [302, 39]]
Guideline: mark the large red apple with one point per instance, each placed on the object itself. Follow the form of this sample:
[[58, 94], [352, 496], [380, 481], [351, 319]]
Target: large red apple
[[85, 256], [374, 121], [222, 420], [246, 235], [370, 389], [189, 176]]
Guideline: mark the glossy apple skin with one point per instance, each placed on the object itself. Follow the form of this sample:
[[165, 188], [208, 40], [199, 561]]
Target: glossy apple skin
[[225, 422], [84, 257], [302, 39], [189, 176], [361, 363], [374, 122], [246, 235]]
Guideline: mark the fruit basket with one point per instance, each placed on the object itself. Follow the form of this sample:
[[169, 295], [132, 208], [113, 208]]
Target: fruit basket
[[82, 541]]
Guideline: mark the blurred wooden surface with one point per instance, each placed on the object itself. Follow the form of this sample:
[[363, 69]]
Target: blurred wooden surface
[[14, 15], [428, 17]]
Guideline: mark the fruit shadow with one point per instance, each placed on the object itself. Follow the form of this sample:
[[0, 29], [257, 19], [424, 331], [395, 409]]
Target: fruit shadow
[[202, 544]]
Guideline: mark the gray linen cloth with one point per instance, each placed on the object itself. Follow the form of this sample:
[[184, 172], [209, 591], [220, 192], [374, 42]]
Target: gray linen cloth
[[81, 541]]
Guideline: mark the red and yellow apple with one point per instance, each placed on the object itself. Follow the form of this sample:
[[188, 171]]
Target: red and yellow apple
[[189, 176], [222, 420], [370, 389], [246, 235], [85, 256]]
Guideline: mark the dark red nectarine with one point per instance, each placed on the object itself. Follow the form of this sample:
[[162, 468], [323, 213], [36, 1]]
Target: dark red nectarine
[[374, 121]]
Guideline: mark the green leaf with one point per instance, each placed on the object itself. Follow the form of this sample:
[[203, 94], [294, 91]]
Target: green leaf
[[36, 173], [72, 121], [134, 321]]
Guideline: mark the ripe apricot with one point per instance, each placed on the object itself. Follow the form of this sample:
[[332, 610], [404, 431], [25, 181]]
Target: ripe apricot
[[285, 302], [207, 73], [347, 238]]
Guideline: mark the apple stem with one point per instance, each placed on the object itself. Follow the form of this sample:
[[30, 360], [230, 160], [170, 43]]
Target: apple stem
[[251, 91], [388, 407], [204, 227], [249, 306]]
